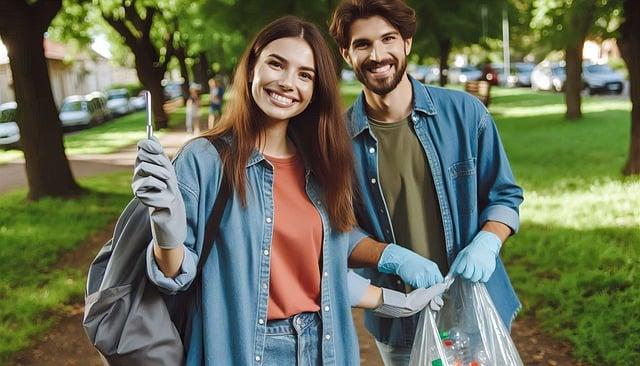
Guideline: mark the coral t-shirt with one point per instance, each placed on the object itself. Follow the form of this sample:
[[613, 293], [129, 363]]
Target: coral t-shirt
[[294, 284]]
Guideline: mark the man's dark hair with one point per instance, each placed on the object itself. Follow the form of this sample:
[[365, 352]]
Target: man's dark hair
[[396, 12]]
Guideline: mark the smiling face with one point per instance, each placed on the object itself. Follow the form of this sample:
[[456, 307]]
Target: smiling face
[[283, 78], [377, 53]]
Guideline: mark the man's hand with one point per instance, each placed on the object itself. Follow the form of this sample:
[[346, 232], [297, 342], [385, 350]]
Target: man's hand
[[417, 271], [396, 304], [155, 184], [477, 261]]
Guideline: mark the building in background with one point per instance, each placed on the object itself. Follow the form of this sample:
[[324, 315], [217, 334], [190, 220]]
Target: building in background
[[87, 72]]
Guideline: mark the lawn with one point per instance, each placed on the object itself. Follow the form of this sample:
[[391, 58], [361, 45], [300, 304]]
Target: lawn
[[574, 262], [33, 237]]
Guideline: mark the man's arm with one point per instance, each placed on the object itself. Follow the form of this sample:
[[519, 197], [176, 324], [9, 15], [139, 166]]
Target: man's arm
[[501, 230], [366, 254]]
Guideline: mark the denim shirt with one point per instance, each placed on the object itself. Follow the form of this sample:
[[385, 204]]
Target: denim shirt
[[230, 327], [473, 182]]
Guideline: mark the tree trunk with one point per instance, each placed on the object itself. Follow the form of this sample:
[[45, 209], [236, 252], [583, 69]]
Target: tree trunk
[[201, 74], [22, 29], [151, 74], [573, 84], [444, 46], [630, 50], [184, 71]]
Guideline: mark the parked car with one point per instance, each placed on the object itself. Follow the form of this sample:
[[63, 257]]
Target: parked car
[[118, 101], [172, 90], [601, 79], [9, 131], [548, 76], [425, 74], [138, 102], [523, 72], [460, 75], [98, 106], [75, 112]]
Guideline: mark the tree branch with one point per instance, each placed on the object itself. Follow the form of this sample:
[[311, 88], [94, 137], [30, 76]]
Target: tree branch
[[44, 11], [122, 29], [171, 50]]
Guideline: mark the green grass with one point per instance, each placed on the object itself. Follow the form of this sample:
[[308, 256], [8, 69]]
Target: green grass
[[33, 237], [575, 261]]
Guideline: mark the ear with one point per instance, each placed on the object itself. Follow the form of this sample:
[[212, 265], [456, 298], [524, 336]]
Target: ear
[[407, 46], [345, 55]]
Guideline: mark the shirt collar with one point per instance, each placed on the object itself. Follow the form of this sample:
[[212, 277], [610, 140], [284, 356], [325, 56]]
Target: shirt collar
[[422, 102]]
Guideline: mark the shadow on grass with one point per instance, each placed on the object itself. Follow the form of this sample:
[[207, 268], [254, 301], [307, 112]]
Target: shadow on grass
[[583, 286]]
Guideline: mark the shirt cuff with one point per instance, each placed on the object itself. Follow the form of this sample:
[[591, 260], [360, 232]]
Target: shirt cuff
[[355, 236], [357, 287], [503, 214], [170, 285]]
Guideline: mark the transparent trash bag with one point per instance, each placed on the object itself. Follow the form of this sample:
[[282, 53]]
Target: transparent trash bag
[[467, 331]]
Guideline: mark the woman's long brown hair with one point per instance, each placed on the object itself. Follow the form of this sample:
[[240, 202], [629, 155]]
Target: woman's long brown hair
[[320, 128]]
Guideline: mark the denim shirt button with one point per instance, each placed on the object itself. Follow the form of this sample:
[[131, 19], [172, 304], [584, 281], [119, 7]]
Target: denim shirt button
[[269, 220], [326, 308], [373, 180], [264, 285], [260, 321], [399, 282], [372, 150], [327, 337], [326, 274], [258, 358], [266, 252], [415, 118]]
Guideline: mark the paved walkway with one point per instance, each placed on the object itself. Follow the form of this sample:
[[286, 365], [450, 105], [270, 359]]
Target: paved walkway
[[14, 175]]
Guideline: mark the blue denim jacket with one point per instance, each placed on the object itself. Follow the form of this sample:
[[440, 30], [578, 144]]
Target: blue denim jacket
[[473, 184], [230, 328]]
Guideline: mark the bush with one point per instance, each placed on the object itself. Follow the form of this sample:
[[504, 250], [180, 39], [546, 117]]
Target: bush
[[133, 88]]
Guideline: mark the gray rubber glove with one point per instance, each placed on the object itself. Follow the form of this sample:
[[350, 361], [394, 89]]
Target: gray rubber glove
[[155, 185], [396, 304]]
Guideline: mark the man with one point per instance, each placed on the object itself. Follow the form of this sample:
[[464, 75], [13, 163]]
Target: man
[[432, 173]]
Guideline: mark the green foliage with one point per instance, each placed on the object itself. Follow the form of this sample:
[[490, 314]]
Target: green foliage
[[34, 236], [573, 262]]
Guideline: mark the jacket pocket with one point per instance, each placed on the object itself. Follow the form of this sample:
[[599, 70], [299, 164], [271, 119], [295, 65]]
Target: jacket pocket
[[463, 179]]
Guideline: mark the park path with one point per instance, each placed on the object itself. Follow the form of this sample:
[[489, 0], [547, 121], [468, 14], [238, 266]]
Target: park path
[[65, 344]]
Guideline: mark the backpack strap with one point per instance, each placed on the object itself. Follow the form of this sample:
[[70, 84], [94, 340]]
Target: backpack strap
[[213, 224]]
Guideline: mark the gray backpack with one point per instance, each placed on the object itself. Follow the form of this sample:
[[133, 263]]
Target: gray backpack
[[126, 317]]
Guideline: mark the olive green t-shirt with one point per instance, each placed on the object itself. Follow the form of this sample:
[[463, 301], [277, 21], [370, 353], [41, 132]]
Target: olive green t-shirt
[[409, 191]]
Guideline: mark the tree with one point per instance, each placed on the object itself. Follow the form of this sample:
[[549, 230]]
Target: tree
[[629, 43], [442, 25], [22, 28], [566, 25], [135, 23]]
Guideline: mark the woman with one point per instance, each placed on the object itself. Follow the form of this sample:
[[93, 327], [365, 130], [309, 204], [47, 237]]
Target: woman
[[274, 287]]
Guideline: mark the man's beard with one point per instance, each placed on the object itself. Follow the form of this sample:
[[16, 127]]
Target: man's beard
[[381, 86]]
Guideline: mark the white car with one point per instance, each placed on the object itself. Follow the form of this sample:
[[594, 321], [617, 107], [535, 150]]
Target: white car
[[75, 112], [118, 101], [9, 131], [548, 76]]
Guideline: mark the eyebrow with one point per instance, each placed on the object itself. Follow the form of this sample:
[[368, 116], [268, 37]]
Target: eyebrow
[[284, 60], [392, 33]]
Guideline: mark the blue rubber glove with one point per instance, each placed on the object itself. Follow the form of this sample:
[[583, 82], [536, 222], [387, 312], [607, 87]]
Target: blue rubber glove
[[417, 271], [477, 261]]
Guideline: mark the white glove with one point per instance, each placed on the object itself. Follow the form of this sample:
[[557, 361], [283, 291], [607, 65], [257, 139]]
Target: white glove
[[396, 304]]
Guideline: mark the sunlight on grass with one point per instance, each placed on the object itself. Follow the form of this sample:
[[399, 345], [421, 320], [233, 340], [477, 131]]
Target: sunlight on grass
[[611, 204]]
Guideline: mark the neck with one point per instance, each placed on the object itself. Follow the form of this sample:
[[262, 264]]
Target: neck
[[275, 142], [393, 106]]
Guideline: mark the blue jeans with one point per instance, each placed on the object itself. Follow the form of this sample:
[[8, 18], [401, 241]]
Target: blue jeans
[[393, 356], [294, 341]]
